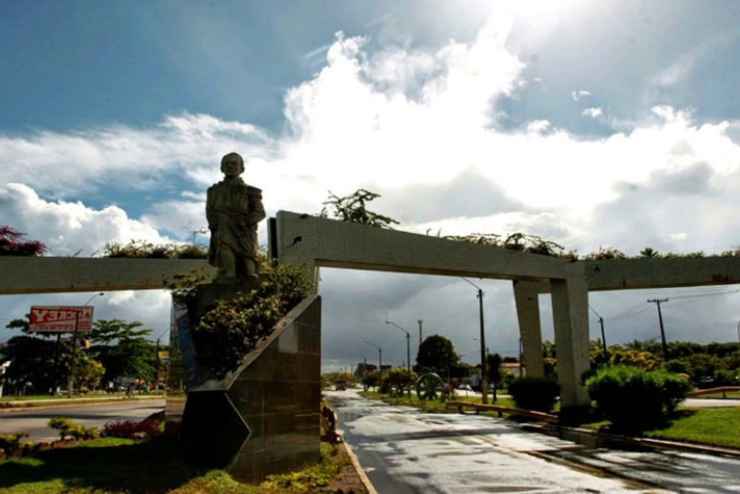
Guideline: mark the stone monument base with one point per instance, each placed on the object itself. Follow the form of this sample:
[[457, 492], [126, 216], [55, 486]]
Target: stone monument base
[[262, 418]]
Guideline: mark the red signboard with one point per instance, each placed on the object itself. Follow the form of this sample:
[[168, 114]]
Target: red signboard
[[61, 319]]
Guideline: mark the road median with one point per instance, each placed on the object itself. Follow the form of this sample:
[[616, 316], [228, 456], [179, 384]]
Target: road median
[[16, 405]]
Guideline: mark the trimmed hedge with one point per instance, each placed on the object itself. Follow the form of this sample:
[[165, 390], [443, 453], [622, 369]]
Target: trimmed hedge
[[534, 393], [632, 398]]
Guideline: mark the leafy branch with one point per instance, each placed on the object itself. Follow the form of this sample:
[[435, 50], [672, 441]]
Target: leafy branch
[[352, 209]]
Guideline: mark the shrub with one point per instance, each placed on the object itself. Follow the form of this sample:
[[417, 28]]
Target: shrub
[[232, 329], [633, 398], [398, 381], [132, 430], [371, 380], [70, 428], [11, 443], [534, 393], [147, 250], [724, 377]]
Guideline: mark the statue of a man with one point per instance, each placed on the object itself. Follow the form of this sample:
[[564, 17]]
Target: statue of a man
[[233, 209]]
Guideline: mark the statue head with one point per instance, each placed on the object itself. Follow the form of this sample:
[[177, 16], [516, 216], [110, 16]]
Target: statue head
[[232, 165]]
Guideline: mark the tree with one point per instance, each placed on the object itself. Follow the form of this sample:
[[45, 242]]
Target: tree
[[437, 354], [649, 252], [123, 349], [38, 365], [12, 243], [89, 372]]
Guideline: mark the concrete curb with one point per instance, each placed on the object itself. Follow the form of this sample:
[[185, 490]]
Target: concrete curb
[[358, 468], [641, 441], [40, 404]]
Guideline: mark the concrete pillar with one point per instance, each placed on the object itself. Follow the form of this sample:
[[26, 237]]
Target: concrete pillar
[[528, 315], [570, 314]]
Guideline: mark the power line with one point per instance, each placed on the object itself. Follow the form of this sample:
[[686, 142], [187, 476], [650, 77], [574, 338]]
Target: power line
[[700, 295]]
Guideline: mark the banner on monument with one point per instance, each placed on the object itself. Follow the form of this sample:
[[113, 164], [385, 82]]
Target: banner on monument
[[61, 319]]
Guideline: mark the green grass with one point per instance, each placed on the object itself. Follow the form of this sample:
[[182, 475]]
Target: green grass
[[88, 396], [429, 406], [716, 426], [26, 398], [117, 466]]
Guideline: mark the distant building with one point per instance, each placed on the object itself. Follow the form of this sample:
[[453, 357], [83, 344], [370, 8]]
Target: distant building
[[515, 369], [363, 369]]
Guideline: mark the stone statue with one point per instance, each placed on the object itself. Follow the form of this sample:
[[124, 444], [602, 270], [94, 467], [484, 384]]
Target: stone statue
[[233, 209]]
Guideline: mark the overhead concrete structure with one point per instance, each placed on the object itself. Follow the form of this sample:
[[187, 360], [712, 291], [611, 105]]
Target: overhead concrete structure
[[317, 242], [25, 275]]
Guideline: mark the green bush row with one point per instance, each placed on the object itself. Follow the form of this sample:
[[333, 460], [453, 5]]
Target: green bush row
[[74, 430], [534, 393], [632, 398]]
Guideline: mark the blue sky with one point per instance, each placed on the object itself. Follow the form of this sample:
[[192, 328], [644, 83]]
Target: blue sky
[[590, 123]]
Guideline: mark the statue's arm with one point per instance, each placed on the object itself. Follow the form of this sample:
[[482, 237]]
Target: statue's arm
[[256, 209], [210, 214]]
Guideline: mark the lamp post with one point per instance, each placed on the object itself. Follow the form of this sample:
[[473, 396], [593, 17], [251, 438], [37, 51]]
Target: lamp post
[[408, 347], [73, 370], [483, 380]]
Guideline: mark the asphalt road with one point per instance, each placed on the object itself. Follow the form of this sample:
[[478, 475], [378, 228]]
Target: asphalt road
[[34, 420], [404, 451]]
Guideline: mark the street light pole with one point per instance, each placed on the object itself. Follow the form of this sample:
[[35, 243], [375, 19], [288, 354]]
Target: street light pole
[[408, 344], [483, 377]]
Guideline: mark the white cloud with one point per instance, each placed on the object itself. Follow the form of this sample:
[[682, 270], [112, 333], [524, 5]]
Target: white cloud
[[386, 120], [68, 227], [594, 112], [65, 164], [396, 120], [578, 95], [538, 126]]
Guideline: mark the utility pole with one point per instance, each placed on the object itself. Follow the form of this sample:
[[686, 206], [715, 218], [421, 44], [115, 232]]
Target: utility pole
[[483, 377], [421, 322], [657, 302], [159, 364], [75, 364], [603, 340]]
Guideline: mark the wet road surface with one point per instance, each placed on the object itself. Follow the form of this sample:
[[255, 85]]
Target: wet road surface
[[404, 451], [34, 420]]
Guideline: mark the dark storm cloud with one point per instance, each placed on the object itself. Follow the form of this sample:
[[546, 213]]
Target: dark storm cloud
[[469, 194]]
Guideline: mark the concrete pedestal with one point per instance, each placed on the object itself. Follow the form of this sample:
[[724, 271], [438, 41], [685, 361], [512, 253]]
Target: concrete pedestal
[[262, 418]]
